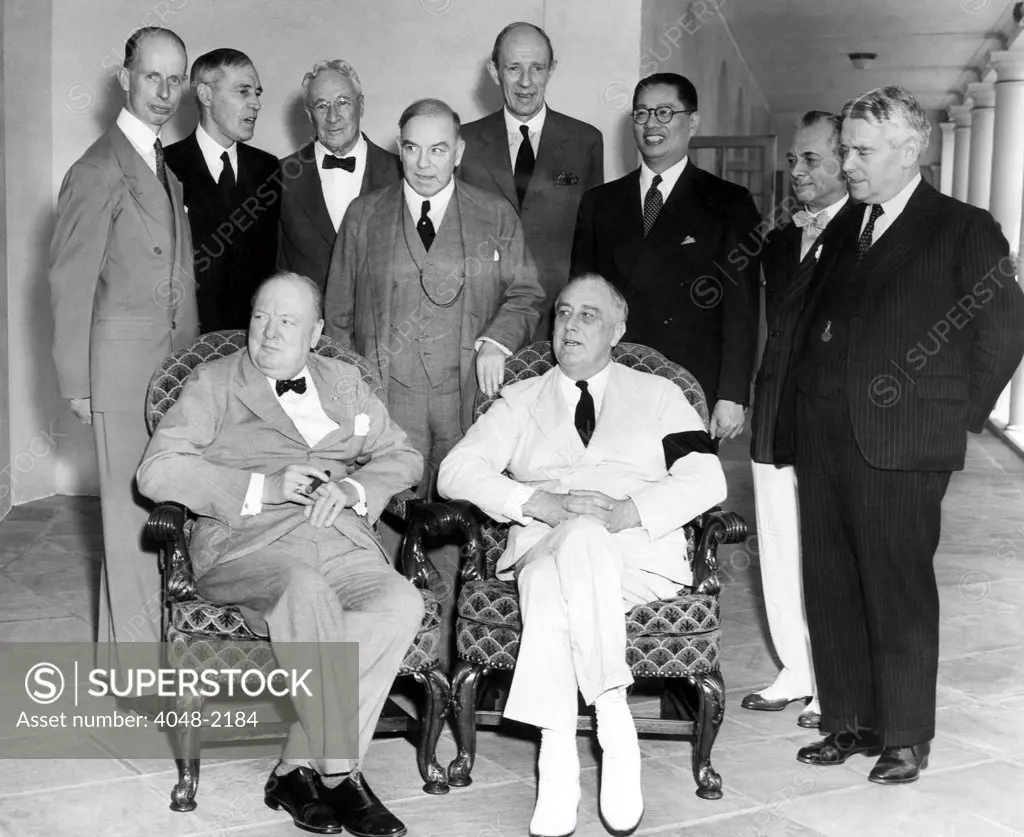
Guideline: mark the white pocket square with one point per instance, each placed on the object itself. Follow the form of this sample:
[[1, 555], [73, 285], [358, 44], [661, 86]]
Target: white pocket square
[[689, 240], [496, 256], [362, 425]]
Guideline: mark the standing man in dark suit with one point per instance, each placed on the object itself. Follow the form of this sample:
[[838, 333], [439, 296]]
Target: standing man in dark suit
[[680, 244], [232, 190], [788, 259], [915, 325], [324, 176], [540, 160], [123, 299]]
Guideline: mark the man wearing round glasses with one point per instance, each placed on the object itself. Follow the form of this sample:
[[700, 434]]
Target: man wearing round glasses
[[680, 244]]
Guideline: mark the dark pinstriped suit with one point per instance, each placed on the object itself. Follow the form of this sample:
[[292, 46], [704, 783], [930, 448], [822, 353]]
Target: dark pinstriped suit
[[882, 409]]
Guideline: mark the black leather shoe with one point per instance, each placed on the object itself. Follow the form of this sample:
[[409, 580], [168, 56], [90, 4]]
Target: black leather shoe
[[899, 765], [759, 704], [298, 794], [358, 808], [809, 720], [837, 747]]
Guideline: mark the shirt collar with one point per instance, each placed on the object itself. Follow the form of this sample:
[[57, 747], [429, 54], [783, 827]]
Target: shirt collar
[[831, 210], [438, 203], [596, 384], [212, 151], [142, 136], [893, 208], [668, 177], [535, 123], [303, 374], [358, 151]]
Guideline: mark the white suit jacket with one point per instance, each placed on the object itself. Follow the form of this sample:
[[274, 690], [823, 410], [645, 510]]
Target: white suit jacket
[[529, 432]]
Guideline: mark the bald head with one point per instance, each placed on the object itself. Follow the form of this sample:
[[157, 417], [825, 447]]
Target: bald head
[[285, 324]]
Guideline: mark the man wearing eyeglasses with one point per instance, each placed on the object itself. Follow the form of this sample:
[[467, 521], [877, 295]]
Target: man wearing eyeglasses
[[539, 160], [323, 177], [681, 246]]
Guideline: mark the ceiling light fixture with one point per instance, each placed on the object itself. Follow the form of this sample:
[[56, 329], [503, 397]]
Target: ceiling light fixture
[[862, 60]]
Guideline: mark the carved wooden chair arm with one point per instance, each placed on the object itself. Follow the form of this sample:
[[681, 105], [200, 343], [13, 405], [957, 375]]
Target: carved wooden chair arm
[[713, 528], [440, 520], [166, 526]]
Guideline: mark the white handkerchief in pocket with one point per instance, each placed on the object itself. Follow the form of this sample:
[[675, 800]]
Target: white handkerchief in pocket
[[362, 425], [496, 256]]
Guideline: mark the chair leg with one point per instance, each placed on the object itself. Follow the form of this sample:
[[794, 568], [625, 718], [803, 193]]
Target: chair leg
[[435, 711], [187, 743], [710, 690], [465, 682]]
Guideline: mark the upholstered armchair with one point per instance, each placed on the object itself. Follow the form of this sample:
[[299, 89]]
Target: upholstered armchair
[[199, 634], [676, 640]]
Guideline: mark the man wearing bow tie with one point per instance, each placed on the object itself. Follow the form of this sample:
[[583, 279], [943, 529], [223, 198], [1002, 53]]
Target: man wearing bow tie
[[266, 446], [788, 259], [323, 177], [914, 325], [681, 246], [541, 161], [123, 298], [232, 190]]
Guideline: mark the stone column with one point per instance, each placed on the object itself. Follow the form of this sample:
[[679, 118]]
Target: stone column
[[961, 115], [946, 170], [983, 120]]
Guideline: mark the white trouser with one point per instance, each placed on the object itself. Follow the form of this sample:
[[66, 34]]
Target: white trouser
[[778, 539]]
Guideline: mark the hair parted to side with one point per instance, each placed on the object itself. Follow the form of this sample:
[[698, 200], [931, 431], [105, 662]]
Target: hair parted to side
[[299, 279], [504, 33], [430, 107], [336, 64], [208, 68], [621, 305], [817, 117], [134, 43], [685, 90], [891, 106]]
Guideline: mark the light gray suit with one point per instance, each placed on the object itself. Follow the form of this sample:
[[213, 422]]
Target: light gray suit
[[123, 299], [303, 585]]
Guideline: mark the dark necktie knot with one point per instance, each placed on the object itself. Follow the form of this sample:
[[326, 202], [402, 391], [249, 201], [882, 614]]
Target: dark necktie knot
[[425, 227], [653, 202], [332, 162], [296, 385], [585, 418]]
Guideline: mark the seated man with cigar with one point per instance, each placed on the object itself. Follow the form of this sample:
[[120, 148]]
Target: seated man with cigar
[[265, 447], [602, 466]]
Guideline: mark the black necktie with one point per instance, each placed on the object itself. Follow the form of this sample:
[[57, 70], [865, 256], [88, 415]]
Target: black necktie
[[226, 181], [298, 385], [332, 162], [864, 242], [161, 166], [653, 202], [525, 161], [425, 227], [585, 419]]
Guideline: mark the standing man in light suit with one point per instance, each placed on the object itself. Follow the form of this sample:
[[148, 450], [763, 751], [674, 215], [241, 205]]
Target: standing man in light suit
[[789, 257], [605, 465], [123, 299], [541, 161], [323, 177]]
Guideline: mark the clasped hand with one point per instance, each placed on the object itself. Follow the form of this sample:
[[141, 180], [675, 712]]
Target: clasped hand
[[614, 515], [291, 484]]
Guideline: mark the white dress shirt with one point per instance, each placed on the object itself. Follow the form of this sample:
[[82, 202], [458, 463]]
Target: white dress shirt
[[596, 386], [212, 151], [312, 422], [438, 203], [891, 210], [515, 136], [668, 180], [340, 187], [809, 235], [140, 135]]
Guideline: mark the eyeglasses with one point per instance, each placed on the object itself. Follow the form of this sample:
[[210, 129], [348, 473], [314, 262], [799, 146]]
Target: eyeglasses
[[663, 114]]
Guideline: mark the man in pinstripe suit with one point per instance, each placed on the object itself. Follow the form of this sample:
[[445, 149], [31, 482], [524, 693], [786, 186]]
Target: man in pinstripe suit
[[914, 326]]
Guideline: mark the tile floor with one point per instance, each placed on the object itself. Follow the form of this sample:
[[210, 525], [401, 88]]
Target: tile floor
[[49, 562]]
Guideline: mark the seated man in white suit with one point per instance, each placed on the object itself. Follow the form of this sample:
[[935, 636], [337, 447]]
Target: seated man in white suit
[[605, 465]]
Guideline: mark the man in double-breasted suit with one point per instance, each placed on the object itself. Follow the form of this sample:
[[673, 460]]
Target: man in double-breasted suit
[[605, 465], [680, 244], [788, 258], [323, 177], [232, 190], [123, 299], [914, 326], [544, 176], [265, 447]]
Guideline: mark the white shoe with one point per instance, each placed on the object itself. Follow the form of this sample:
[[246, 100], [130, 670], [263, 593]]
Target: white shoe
[[558, 786], [622, 799]]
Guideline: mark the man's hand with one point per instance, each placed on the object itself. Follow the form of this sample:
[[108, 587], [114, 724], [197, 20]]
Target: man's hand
[[330, 499], [616, 515], [547, 507], [82, 408], [727, 420], [289, 485], [490, 368]]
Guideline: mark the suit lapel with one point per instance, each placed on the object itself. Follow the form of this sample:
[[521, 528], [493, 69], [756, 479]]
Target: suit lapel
[[628, 221], [310, 194], [797, 272], [554, 424], [196, 162], [549, 156], [143, 185], [341, 414], [257, 395], [613, 418], [495, 157], [679, 218], [901, 239]]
